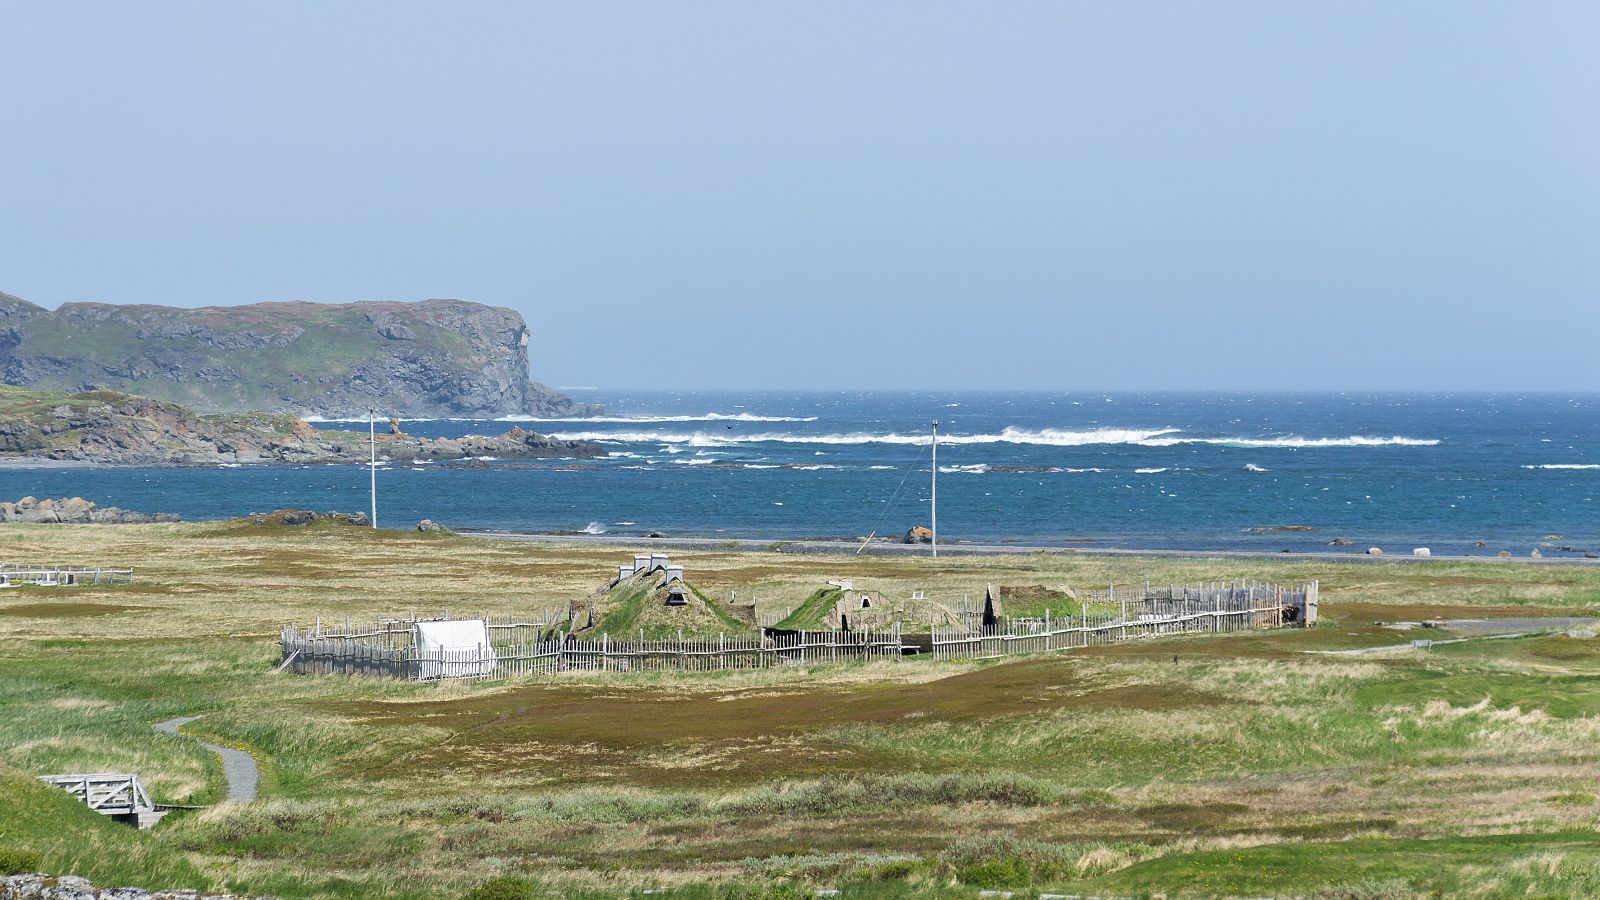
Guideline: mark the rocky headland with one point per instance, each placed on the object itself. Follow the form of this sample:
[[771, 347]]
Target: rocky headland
[[413, 359], [111, 428]]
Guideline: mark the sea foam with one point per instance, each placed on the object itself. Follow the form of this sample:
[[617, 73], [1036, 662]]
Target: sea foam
[[1565, 466], [1049, 437], [653, 420]]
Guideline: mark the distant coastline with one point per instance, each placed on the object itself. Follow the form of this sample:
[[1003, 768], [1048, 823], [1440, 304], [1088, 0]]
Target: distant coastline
[[1152, 471], [982, 548]]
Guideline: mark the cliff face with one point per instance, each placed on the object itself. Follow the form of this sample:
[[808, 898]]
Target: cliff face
[[429, 358]]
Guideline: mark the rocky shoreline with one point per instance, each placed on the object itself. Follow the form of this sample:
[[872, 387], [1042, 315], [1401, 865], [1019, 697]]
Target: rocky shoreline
[[112, 429], [74, 511]]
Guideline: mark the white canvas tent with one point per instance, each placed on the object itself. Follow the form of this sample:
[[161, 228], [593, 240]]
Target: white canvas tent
[[457, 648]]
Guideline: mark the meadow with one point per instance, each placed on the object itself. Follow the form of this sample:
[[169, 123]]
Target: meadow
[[1246, 764]]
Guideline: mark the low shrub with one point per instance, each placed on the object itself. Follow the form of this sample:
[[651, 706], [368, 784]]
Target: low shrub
[[18, 862], [505, 887], [872, 793], [1003, 862]]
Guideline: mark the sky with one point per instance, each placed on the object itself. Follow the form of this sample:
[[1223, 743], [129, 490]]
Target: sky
[[1061, 195]]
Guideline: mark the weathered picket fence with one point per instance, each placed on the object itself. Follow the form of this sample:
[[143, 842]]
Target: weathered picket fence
[[722, 652], [13, 574], [1119, 614], [539, 644], [519, 648]]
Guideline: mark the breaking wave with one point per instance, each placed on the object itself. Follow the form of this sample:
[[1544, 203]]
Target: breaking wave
[[651, 420], [1049, 437], [1296, 442], [1566, 466]]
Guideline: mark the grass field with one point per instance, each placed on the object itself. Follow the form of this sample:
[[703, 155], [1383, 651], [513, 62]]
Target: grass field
[[1205, 765]]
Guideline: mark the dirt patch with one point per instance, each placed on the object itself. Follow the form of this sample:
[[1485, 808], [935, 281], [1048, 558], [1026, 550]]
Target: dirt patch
[[1190, 817], [68, 610], [665, 736]]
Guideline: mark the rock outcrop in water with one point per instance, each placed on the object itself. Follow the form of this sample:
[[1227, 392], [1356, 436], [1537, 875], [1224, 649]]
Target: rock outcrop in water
[[110, 428], [74, 511], [427, 358]]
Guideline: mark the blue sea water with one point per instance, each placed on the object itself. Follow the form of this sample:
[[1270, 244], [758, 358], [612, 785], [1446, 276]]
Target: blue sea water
[[1140, 470]]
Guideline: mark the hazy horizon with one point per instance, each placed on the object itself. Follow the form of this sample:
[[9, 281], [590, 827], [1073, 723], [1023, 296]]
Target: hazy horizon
[[1234, 196]]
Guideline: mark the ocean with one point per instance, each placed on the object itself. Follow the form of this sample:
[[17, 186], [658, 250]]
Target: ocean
[[1160, 470]]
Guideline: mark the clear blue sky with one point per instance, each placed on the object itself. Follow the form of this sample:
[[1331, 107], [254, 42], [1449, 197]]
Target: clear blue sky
[[978, 195]]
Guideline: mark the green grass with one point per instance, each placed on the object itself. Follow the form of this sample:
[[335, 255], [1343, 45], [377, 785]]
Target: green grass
[[1237, 765], [46, 825], [811, 613], [1390, 866]]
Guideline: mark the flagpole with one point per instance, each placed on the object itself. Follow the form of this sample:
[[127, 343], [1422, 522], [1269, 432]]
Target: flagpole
[[934, 498], [372, 464]]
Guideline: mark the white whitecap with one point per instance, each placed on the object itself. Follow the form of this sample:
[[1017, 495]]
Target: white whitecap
[[1050, 437], [1566, 466]]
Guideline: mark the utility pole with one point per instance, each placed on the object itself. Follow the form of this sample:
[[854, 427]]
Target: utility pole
[[372, 465], [934, 498]]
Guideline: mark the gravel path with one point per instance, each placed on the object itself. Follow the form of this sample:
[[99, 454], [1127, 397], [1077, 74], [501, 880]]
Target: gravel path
[[238, 766]]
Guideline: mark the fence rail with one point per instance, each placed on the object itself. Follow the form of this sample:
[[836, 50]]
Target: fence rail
[[1173, 609], [355, 654], [521, 646], [13, 574]]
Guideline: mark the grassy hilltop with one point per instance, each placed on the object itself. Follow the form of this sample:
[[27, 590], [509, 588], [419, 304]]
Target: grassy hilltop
[[428, 358], [1204, 765]]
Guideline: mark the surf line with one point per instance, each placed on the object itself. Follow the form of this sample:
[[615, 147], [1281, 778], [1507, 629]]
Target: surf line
[[238, 766]]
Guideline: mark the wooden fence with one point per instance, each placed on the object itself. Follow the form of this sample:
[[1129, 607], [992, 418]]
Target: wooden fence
[[13, 574], [539, 644], [1120, 614], [518, 649]]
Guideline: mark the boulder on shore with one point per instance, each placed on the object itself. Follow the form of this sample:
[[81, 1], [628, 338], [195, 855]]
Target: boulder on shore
[[74, 511], [299, 517], [919, 535], [429, 526]]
